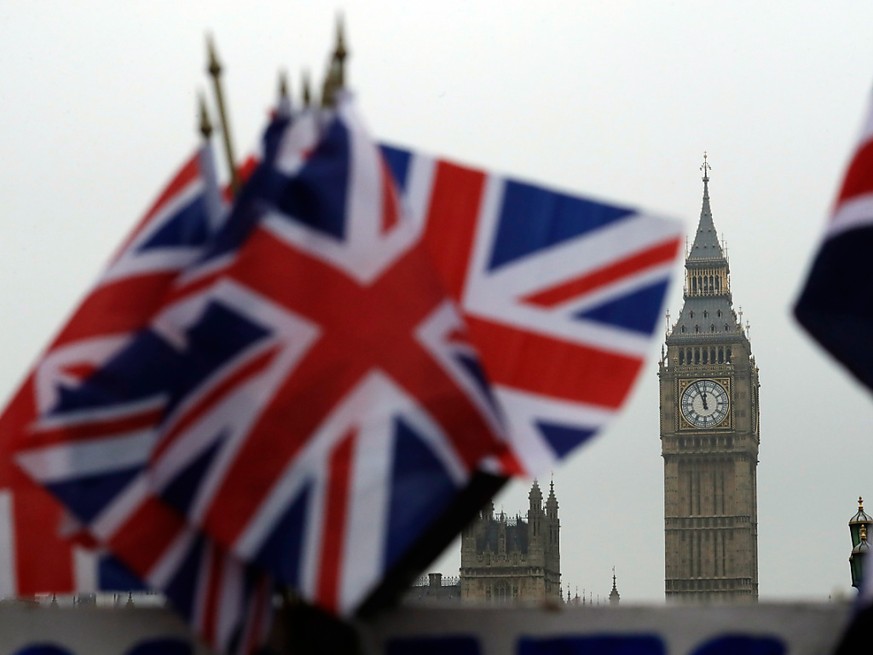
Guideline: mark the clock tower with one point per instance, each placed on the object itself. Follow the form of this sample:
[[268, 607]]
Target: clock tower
[[709, 434]]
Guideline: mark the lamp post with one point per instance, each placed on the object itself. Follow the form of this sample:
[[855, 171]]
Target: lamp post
[[858, 526]]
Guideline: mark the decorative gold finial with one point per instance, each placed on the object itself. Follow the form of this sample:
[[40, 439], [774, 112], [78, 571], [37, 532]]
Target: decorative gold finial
[[705, 167], [214, 69], [863, 532], [335, 79], [307, 93], [283, 86], [860, 504], [213, 66], [340, 53], [205, 124], [283, 103]]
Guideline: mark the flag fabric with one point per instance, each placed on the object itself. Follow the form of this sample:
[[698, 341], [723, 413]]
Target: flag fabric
[[836, 308], [367, 330], [36, 557], [561, 294], [45, 551], [834, 305], [311, 408]]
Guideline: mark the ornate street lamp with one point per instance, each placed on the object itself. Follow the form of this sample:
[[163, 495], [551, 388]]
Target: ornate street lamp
[[858, 525]]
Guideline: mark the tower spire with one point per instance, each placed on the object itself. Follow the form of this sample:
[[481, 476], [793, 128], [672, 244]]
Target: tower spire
[[706, 245]]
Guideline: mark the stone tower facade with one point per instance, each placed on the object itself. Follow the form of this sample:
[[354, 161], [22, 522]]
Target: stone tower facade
[[506, 560], [709, 434]]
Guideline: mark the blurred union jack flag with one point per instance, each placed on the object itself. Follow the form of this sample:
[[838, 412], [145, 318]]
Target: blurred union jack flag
[[36, 558], [310, 405], [561, 294], [50, 553], [381, 326], [836, 308]]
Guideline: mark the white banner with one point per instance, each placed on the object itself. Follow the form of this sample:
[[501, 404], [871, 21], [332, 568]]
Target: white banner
[[763, 629]]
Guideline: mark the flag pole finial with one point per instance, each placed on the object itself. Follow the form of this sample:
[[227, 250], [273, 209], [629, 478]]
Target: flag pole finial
[[205, 125], [340, 52], [307, 91], [335, 79], [214, 70], [284, 94], [283, 103]]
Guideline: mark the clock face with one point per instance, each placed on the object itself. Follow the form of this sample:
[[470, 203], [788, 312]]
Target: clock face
[[704, 403]]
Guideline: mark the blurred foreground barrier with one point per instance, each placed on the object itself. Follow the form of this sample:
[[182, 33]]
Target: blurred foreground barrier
[[763, 629]]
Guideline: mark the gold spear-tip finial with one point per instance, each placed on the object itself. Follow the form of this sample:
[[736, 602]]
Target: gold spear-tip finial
[[213, 66], [283, 85], [205, 125], [340, 52], [214, 69], [307, 91], [283, 105]]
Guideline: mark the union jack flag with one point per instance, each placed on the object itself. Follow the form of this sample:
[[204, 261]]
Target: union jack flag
[[323, 369], [836, 307], [315, 401], [35, 556], [46, 552], [561, 294]]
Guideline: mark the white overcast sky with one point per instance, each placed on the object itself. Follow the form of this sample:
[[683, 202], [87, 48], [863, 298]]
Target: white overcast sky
[[614, 99]]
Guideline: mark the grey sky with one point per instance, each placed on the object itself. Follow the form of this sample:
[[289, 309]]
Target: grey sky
[[617, 100]]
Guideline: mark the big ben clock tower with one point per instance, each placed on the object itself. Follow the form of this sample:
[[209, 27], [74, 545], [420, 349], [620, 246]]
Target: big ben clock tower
[[709, 434]]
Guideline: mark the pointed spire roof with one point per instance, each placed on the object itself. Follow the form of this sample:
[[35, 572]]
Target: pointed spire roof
[[535, 495], [614, 596], [706, 245]]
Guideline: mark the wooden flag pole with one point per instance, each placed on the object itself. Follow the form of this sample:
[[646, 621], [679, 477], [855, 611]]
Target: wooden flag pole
[[214, 70]]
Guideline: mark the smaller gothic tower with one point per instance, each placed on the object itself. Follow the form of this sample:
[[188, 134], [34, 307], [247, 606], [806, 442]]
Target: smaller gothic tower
[[614, 596], [513, 559]]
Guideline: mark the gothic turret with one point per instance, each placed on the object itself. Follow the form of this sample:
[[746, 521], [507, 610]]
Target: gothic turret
[[614, 597], [508, 559], [552, 502]]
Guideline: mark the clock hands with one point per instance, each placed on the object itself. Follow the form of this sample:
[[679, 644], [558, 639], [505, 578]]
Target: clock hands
[[704, 403], [702, 395]]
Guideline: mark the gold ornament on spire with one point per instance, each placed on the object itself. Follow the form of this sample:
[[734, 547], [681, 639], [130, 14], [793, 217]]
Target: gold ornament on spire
[[705, 167]]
